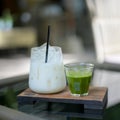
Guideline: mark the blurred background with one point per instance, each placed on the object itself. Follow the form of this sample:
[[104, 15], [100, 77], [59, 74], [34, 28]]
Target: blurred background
[[88, 29], [23, 24]]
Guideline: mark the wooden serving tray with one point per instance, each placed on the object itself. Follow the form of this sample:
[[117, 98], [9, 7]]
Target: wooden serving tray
[[91, 106]]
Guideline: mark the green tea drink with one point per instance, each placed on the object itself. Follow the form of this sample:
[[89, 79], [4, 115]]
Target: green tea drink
[[78, 83], [79, 76]]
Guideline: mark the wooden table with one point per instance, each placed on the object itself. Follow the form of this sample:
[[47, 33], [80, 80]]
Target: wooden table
[[91, 106]]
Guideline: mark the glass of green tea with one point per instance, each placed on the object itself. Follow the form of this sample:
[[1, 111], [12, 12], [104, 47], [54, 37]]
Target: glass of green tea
[[79, 76]]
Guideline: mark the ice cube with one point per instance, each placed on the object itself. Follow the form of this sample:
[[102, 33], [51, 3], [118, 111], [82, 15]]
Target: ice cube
[[54, 54]]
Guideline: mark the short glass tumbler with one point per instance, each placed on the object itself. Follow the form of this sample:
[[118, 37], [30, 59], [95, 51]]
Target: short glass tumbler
[[79, 76]]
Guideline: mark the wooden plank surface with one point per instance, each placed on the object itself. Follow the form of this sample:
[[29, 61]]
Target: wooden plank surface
[[91, 106], [96, 96]]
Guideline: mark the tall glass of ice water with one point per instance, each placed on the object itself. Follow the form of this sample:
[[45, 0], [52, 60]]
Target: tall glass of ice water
[[46, 77]]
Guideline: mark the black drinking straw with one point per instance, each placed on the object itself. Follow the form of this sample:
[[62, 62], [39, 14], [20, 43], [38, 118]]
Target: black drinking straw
[[47, 46]]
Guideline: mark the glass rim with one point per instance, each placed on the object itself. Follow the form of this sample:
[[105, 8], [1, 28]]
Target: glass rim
[[38, 48], [70, 65]]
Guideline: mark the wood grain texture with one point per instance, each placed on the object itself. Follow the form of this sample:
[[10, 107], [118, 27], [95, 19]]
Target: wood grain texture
[[96, 95], [92, 105]]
